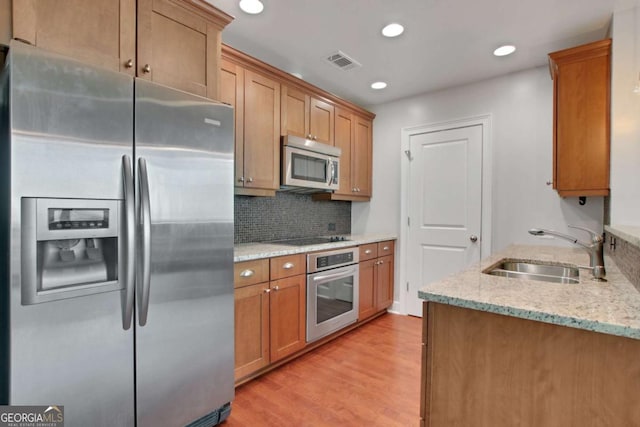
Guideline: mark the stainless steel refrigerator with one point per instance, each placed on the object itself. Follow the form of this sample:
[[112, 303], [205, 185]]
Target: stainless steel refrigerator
[[117, 222]]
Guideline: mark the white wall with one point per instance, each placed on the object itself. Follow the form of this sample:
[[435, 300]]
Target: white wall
[[521, 108], [625, 119]]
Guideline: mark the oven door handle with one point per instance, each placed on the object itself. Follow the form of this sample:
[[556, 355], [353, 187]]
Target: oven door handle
[[333, 276]]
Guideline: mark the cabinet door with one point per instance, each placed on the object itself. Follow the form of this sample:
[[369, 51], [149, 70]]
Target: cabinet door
[[101, 33], [261, 132], [581, 143], [295, 112], [344, 139], [321, 121], [366, 285], [179, 45], [251, 329], [362, 157], [288, 316], [232, 92], [384, 283]]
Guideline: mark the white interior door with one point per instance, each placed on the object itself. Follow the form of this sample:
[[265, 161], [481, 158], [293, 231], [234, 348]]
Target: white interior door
[[444, 206]]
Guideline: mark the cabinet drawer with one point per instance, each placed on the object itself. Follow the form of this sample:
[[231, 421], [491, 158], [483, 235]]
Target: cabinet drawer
[[386, 248], [288, 265], [250, 272], [369, 251]]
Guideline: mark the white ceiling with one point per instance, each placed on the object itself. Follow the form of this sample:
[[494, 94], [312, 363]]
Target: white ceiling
[[446, 42]]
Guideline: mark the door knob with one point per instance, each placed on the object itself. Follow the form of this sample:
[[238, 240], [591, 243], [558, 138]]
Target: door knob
[[473, 238]]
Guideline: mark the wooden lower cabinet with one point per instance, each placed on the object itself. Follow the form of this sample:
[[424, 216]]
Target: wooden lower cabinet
[[376, 279], [251, 329], [270, 317], [483, 369], [287, 316]]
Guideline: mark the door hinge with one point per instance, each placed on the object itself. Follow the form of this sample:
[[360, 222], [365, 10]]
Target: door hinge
[[407, 286], [408, 221], [408, 154]]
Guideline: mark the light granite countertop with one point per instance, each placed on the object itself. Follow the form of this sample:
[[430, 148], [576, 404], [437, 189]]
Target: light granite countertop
[[251, 251], [611, 307], [628, 232]]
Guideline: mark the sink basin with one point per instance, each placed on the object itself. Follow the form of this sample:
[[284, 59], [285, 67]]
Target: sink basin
[[542, 271]]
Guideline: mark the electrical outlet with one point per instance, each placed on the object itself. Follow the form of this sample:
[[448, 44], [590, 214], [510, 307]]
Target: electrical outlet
[[332, 226]]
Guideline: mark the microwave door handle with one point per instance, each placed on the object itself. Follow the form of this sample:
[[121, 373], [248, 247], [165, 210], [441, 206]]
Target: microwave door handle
[[329, 172], [333, 172]]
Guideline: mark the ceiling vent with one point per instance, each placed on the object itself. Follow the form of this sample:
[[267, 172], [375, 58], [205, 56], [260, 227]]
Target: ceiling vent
[[343, 61]]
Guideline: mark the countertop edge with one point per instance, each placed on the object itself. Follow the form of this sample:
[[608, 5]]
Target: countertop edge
[[535, 316], [260, 250]]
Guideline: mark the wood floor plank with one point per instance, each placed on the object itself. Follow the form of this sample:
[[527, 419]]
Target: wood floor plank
[[367, 377]]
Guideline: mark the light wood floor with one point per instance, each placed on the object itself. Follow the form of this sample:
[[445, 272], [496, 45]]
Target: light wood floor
[[367, 377]]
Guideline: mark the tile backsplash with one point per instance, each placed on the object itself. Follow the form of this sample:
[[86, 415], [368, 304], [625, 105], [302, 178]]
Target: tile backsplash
[[287, 216]]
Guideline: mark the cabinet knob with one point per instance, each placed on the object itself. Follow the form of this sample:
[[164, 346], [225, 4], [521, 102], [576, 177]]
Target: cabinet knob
[[358, 189], [250, 179], [146, 68], [241, 179], [247, 273], [276, 288], [266, 291], [288, 266], [129, 63], [309, 136], [315, 137]]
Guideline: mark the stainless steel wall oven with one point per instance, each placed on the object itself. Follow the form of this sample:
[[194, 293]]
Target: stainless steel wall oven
[[332, 291]]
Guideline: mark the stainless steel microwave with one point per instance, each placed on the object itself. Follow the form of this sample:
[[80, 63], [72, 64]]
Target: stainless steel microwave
[[309, 164]]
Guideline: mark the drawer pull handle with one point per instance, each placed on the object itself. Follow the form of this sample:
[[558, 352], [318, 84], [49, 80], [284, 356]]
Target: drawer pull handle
[[386, 248], [288, 266], [368, 251], [247, 273]]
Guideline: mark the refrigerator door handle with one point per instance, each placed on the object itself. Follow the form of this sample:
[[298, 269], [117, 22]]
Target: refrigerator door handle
[[144, 281], [129, 238]]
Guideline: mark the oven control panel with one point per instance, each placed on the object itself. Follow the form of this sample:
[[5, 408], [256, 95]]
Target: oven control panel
[[331, 259]]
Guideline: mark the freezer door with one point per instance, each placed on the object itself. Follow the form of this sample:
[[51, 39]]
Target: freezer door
[[184, 328], [69, 127]]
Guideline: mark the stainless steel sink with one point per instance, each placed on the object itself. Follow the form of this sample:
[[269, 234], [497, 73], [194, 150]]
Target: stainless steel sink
[[545, 272]]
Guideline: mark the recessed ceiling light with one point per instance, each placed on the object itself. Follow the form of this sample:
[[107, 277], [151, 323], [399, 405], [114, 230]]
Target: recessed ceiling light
[[378, 85], [392, 30], [252, 7], [504, 50]]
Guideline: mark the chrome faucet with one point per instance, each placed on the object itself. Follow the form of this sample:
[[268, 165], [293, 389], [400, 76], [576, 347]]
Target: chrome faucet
[[594, 249]]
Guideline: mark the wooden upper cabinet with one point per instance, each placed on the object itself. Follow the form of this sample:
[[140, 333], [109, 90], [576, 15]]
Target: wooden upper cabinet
[[261, 169], [179, 44], [344, 139], [294, 119], [581, 94], [232, 92], [306, 116], [362, 157], [101, 33], [321, 121]]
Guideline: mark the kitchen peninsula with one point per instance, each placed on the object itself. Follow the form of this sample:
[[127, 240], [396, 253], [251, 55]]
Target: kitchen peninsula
[[500, 351]]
